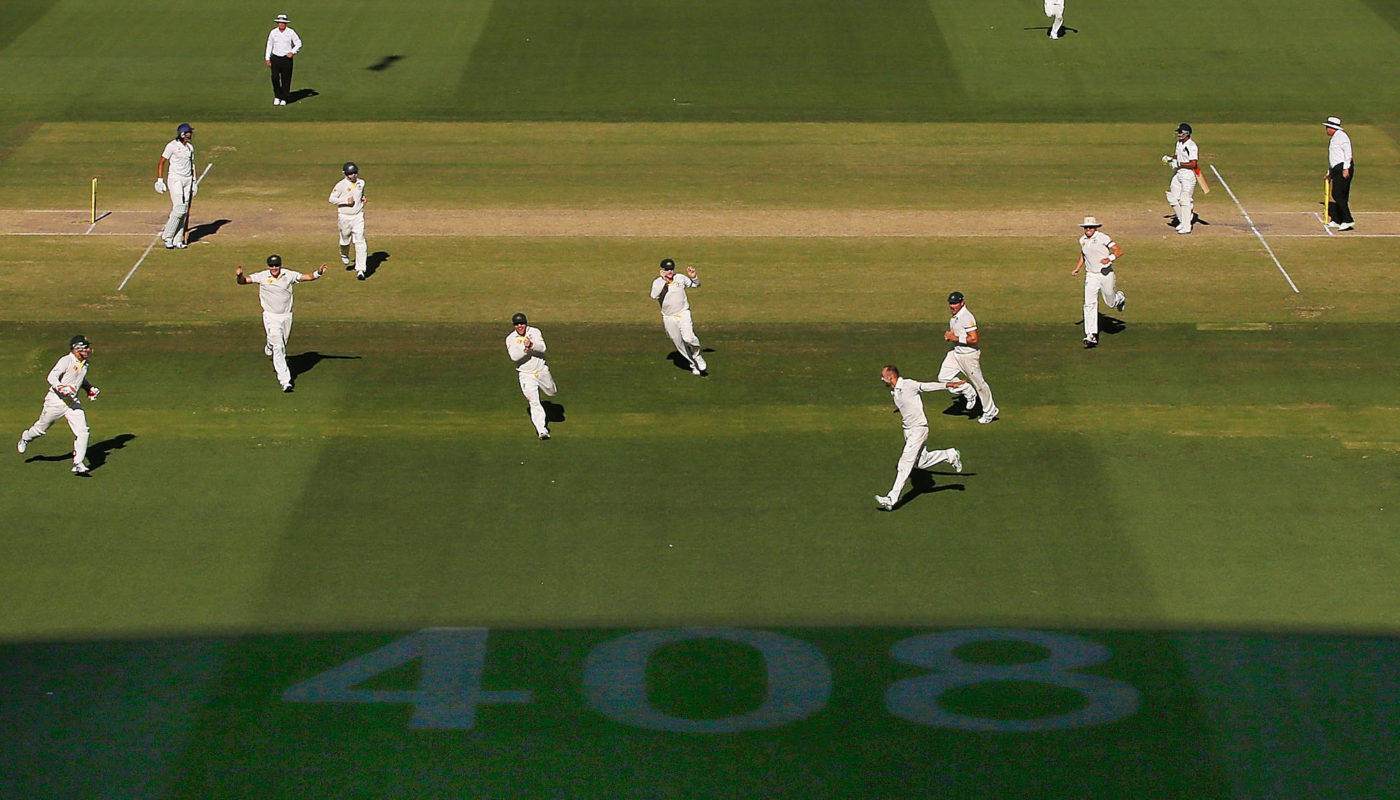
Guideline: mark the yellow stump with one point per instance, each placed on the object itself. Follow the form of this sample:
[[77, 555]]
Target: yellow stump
[[1326, 200], [93, 215]]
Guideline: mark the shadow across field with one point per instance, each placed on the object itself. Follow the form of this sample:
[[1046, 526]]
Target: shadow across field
[[301, 94]]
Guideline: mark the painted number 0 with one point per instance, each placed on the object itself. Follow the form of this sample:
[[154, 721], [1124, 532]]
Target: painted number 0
[[916, 699]]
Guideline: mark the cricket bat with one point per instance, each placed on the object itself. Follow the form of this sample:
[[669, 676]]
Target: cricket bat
[[1201, 179], [191, 205]]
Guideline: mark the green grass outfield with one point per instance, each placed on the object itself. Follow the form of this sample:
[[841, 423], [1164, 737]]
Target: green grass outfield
[[1166, 572]]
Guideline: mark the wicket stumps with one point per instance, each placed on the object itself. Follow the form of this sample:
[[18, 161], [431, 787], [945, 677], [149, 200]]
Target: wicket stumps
[[93, 207], [1327, 199]]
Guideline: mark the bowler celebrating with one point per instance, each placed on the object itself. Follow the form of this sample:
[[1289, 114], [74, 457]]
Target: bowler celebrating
[[67, 380], [525, 346], [275, 294]]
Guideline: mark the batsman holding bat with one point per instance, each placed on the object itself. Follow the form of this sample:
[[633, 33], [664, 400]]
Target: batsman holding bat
[[1185, 166]]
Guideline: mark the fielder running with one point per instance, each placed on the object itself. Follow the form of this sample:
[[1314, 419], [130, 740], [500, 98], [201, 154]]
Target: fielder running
[[180, 182], [911, 410], [669, 291], [275, 294], [67, 380], [526, 348], [966, 357], [348, 197], [1097, 252], [1182, 192]]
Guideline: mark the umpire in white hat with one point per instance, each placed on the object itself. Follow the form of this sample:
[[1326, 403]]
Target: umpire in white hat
[[1340, 170], [282, 44]]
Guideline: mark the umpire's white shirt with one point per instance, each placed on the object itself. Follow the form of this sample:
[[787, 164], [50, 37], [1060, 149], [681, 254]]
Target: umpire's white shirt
[[672, 297], [962, 324], [1339, 150], [181, 158], [526, 360], [348, 191], [281, 43], [911, 406], [275, 293]]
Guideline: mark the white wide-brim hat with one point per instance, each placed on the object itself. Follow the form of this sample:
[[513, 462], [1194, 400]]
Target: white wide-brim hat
[[281, 18], [1090, 222], [1334, 122]]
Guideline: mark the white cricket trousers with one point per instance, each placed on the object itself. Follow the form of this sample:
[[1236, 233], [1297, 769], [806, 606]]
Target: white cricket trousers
[[352, 231], [531, 384], [1181, 197], [915, 455], [180, 190], [969, 364], [1096, 284], [77, 421], [682, 332], [1056, 10], [279, 330]]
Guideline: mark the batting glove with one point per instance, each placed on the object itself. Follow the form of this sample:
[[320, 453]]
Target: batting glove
[[66, 392], [93, 392], [194, 189], [160, 185]]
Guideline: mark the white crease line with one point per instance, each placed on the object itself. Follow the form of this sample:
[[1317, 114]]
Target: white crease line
[[138, 262], [1323, 224], [68, 233], [1262, 240]]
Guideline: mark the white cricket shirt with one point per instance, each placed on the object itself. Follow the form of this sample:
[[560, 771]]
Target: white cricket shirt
[[349, 191], [1186, 151], [68, 371], [281, 43], [962, 324], [526, 360], [181, 158], [275, 293], [1339, 150], [1095, 249], [672, 297], [910, 405]]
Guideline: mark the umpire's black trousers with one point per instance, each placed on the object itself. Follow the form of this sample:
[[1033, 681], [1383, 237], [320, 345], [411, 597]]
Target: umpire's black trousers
[[281, 77], [1339, 210]]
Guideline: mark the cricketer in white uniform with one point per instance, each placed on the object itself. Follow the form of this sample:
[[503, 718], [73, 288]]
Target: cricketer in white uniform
[[526, 348], [1055, 9], [67, 380], [1097, 252], [348, 197], [1181, 194], [669, 291], [966, 357], [275, 293], [911, 411], [180, 182]]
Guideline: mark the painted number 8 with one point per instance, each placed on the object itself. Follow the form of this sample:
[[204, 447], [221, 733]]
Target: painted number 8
[[916, 699]]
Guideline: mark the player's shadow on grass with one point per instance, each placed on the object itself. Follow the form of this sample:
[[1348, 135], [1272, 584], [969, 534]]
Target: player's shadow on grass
[[301, 94], [302, 363], [921, 482], [959, 408], [1109, 325], [1046, 28], [373, 262], [384, 63], [204, 229], [681, 362], [1173, 220], [96, 452], [553, 412]]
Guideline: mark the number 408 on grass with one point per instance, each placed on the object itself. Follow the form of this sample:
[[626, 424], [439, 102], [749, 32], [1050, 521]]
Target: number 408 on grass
[[799, 680]]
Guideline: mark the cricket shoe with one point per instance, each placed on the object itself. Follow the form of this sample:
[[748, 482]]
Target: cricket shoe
[[957, 459], [79, 469], [544, 435], [971, 402], [700, 362], [1090, 342], [23, 445], [181, 246], [360, 276], [885, 503], [286, 388], [1183, 229], [276, 102], [694, 370], [987, 419], [1122, 301], [1333, 224], [169, 245], [1346, 226], [345, 260], [267, 351]]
